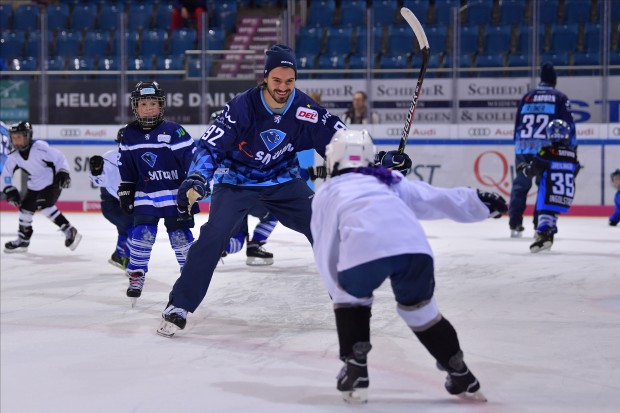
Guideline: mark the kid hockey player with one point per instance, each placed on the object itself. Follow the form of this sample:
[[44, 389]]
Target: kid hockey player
[[355, 254], [104, 174], [155, 155], [615, 181], [557, 166], [48, 174]]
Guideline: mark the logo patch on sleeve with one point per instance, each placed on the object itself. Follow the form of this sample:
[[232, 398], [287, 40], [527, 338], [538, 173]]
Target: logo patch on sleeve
[[308, 115], [149, 158], [272, 138]]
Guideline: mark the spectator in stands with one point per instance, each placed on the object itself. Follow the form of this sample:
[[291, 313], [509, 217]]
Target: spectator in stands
[[187, 14], [358, 113]]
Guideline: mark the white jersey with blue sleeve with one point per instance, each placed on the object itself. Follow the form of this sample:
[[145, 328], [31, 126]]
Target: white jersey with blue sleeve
[[110, 178]]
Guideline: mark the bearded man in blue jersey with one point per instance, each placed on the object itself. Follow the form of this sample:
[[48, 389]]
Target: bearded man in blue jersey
[[250, 152]]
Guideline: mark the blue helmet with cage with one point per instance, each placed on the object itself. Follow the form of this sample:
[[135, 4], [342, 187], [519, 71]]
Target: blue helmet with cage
[[558, 131]]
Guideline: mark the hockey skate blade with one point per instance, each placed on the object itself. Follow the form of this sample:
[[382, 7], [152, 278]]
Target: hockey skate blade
[[258, 262], [516, 234], [134, 301], [167, 329], [473, 397], [537, 248], [16, 250], [76, 241], [355, 396]]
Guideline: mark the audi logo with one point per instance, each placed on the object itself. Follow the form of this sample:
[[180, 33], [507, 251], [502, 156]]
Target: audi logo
[[615, 131], [394, 131], [70, 133], [479, 131]]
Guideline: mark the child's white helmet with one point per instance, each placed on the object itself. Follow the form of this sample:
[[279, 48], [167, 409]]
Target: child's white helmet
[[349, 149]]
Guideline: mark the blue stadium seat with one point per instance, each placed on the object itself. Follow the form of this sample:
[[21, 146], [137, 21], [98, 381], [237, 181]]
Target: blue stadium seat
[[309, 40], [557, 59], [55, 63], [362, 40], [321, 13], [586, 59], [182, 40], [511, 12], [592, 38], [433, 63], [225, 15], [524, 40], [615, 16], [305, 62], [78, 64], [419, 8], [437, 37], [26, 17], [57, 16], [339, 41], [109, 16], [172, 62], [490, 60], [12, 42], [443, 11], [32, 47], [83, 17], [357, 62], [353, 13], [68, 43], [139, 16], [548, 11], [497, 39], [576, 11], [384, 12], [401, 40], [28, 63], [215, 38], [469, 39], [163, 19], [96, 43], [332, 62], [153, 43], [131, 43], [564, 38], [392, 62], [519, 60], [478, 13], [6, 14]]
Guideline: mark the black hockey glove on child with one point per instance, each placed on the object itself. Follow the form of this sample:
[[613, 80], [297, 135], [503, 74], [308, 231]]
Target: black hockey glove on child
[[400, 162], [526, 169], [12, 196], [95, 164], [198, 184], [62, 179], [495, 202], [126, 195]]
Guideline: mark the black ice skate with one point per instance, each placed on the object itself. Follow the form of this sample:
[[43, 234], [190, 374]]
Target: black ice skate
[[257, 255], [136, 283], [174, 318], [72, 237], [18, 245], [544, 241], [353, 377], [516, 231], [460, 381], [118, 261]]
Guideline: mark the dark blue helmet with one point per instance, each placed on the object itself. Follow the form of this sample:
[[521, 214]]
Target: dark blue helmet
[[558, 131]]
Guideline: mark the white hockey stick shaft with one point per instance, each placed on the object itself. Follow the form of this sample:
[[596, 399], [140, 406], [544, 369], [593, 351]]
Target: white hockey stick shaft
[[426, 52]]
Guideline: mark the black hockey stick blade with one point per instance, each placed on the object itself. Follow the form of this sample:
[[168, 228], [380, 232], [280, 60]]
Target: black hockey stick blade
[[425, 49]]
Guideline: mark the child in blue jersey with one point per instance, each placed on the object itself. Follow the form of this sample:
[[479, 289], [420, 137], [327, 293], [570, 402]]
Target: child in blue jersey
[[614, 218], [155, 155], [250, 153], [103, 172], [537, 108], [557, 166]]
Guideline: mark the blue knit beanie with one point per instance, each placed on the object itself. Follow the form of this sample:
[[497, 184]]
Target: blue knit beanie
[[547, 74], [280, 56]]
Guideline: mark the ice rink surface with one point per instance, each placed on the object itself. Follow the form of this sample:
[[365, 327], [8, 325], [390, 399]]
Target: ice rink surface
[[541, 331]]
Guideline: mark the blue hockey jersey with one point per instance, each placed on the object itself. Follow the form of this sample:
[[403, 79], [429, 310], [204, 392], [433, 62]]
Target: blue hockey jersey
[[536, 109], [250, 145], [157, 162], [558, 166]]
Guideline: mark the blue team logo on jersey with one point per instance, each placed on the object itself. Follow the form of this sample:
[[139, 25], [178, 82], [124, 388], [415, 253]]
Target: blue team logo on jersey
[[272, 138], [149, 158]]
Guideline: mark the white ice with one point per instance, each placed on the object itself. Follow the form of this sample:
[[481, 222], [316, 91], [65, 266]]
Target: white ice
[[541, 331]]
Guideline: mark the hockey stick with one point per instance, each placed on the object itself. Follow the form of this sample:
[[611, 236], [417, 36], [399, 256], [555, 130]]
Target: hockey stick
[[426, 53]]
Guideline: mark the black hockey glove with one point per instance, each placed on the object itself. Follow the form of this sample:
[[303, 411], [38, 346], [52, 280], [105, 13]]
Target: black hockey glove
[[393, 160], [495, 202], [62, 179], [526, 169], [12, 196], [126, 195], [199, 184], [95, 164], [316, 172]]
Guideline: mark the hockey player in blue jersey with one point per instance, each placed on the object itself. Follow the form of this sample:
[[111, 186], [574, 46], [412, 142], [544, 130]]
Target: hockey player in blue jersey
[[250, 152], [537, 108], [103, 172], [557, 165], [155, 155], [5, 144], [614, 218]]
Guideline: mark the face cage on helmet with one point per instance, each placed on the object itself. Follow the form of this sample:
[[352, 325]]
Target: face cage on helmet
[[28, 143], [148, 121]]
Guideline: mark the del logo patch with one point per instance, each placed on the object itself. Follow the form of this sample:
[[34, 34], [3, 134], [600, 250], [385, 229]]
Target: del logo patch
[[149, 158], [272, 138], [309, 115]]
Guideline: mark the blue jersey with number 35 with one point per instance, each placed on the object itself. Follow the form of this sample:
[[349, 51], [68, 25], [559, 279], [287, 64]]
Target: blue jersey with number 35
[[250, 145]]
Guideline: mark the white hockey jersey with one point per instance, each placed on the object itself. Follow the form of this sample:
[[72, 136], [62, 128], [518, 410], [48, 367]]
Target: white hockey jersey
[[357, 218], [110, 178], [42, 164]]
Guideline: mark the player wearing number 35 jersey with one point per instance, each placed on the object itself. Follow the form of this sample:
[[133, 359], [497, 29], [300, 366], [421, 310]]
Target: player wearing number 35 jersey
[[536, 110]]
